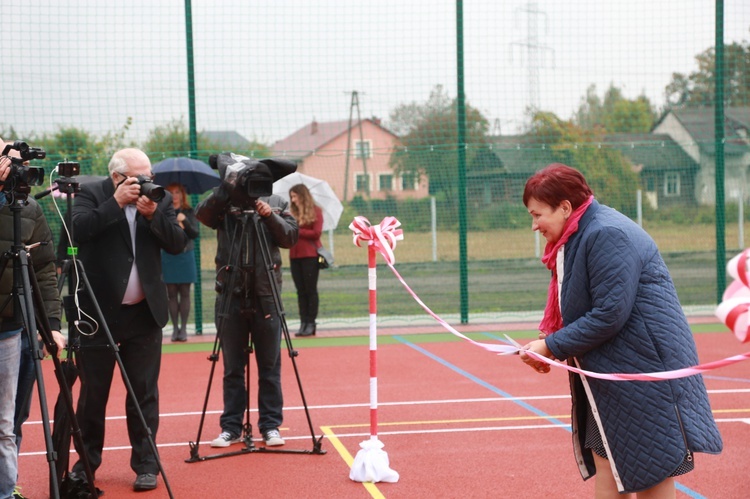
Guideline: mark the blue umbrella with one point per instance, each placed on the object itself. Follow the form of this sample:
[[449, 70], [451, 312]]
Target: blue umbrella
[[195, 175]]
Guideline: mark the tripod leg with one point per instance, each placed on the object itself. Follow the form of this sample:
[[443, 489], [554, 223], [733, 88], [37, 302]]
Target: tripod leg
[[247, 428], [25, 296], [65, 396]]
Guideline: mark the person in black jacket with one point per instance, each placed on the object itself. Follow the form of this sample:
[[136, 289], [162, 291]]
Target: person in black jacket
[[120, 234], [17, 372], [250, 313]]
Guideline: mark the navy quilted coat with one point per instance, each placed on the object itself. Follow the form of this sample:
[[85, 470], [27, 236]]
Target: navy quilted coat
[[621, 314]]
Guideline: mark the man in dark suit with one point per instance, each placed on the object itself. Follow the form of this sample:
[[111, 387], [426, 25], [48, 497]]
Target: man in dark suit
[[120, 233]]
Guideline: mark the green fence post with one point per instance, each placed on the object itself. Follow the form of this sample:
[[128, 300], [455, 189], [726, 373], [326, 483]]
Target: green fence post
[[721, 258], [198, 290], [461, 116]]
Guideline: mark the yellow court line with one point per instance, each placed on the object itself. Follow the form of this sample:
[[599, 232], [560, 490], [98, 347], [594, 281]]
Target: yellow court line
[[722, 411], [486, 420], [349, 460], [449, 421]]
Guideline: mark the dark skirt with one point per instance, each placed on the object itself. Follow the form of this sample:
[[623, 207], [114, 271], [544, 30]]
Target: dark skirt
[[178, 269], [594, 442]]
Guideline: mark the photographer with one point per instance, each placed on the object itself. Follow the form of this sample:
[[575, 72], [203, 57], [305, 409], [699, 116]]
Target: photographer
[[121, 225], [17, 373], [250, 313]]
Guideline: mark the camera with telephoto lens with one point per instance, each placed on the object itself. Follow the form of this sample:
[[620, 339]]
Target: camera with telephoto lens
[[150, 189], [21, 176]]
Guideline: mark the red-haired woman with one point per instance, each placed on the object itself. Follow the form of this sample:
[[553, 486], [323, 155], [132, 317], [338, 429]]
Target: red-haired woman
[[612, 307], [180, 270], [303, 256]]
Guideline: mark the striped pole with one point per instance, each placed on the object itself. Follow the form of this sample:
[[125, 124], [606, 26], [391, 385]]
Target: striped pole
[[371, 464], [373, 289]]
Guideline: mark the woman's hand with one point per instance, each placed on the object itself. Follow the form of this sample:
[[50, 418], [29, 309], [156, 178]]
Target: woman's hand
[[538, 347]]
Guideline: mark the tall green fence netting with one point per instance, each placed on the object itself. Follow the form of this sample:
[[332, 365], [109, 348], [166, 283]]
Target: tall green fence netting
[[435, 112]]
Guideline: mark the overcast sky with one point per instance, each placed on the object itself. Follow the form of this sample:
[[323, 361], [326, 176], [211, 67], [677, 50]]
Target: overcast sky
[[267, 68]]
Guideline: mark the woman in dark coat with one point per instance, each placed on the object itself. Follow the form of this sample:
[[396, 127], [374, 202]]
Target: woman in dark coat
[[180, 270], [612, 307]]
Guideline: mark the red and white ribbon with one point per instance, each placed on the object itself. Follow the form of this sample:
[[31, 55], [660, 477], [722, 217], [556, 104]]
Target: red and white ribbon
[[735, 305], [381, 237], [737, 316]]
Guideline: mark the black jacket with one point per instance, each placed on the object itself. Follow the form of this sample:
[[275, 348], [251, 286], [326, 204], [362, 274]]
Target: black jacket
[[34, 229], [104, 246], [279, 230]]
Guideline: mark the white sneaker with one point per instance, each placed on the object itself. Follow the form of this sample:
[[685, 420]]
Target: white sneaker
[[272, 438], [225, 440]]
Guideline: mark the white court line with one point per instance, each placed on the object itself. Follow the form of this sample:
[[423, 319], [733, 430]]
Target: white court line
[[397, 404], [364, 434]]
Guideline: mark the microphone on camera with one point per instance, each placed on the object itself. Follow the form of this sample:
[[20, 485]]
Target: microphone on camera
[[40, 195]]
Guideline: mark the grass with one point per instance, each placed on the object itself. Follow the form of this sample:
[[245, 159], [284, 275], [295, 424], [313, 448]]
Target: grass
[[499, 244], [504, 273]]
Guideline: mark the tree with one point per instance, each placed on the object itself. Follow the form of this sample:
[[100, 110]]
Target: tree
[[615, 114], [607, 171], [173, 139], [697, 88], [429, 134]]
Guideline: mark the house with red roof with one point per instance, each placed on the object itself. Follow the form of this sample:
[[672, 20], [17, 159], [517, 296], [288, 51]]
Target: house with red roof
[[353, 160]]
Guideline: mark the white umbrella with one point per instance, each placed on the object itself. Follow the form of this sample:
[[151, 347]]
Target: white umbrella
[[321, 193]]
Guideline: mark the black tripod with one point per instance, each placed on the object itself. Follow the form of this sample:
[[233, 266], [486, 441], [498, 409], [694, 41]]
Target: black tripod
[[73, 270], [31, 304], [235, 272]]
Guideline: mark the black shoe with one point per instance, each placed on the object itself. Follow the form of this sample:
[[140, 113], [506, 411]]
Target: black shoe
[[182, 335], [302, 328], [144, 481], [307, 329]]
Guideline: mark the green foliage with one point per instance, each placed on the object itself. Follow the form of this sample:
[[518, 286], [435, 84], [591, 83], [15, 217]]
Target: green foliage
[[697, 88], [429, 134], [173, 140], [607, 171], [615, 114]]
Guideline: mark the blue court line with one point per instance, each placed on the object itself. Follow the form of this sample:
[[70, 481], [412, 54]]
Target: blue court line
[[494, 389], [483, 383]]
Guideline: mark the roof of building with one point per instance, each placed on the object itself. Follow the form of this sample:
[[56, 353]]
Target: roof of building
[[227, 138], [651, 151], [314, 136], [699, 122]]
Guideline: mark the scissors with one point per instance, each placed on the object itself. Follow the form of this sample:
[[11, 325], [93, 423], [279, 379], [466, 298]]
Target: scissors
[[514, 343]]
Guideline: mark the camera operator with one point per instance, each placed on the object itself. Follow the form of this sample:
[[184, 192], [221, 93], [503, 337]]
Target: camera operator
[[17, 372], [251, 313], [120, 230]]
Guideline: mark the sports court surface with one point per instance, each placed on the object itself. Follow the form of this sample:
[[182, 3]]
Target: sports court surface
[[456, 422]]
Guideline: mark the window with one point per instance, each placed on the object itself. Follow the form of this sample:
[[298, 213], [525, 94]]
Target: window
[[672, 184], [363, 182], [409, 182], [363, 149], [385, 182]]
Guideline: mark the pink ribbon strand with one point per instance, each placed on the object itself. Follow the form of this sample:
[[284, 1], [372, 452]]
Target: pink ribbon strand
[[383, 238]]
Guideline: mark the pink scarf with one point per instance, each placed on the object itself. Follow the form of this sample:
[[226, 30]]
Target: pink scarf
[[552, 320]]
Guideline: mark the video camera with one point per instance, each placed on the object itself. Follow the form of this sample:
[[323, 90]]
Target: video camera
[[249, 179], [21, 176]]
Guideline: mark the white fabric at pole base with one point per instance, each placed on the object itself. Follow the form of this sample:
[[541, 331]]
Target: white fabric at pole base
[[371, 464]]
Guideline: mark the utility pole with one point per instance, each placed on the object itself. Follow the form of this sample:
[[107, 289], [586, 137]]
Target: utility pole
[[354, 102], [532, 52]]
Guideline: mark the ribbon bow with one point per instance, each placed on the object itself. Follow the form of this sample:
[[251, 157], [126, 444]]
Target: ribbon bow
[[381, 237], [735, 305]]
